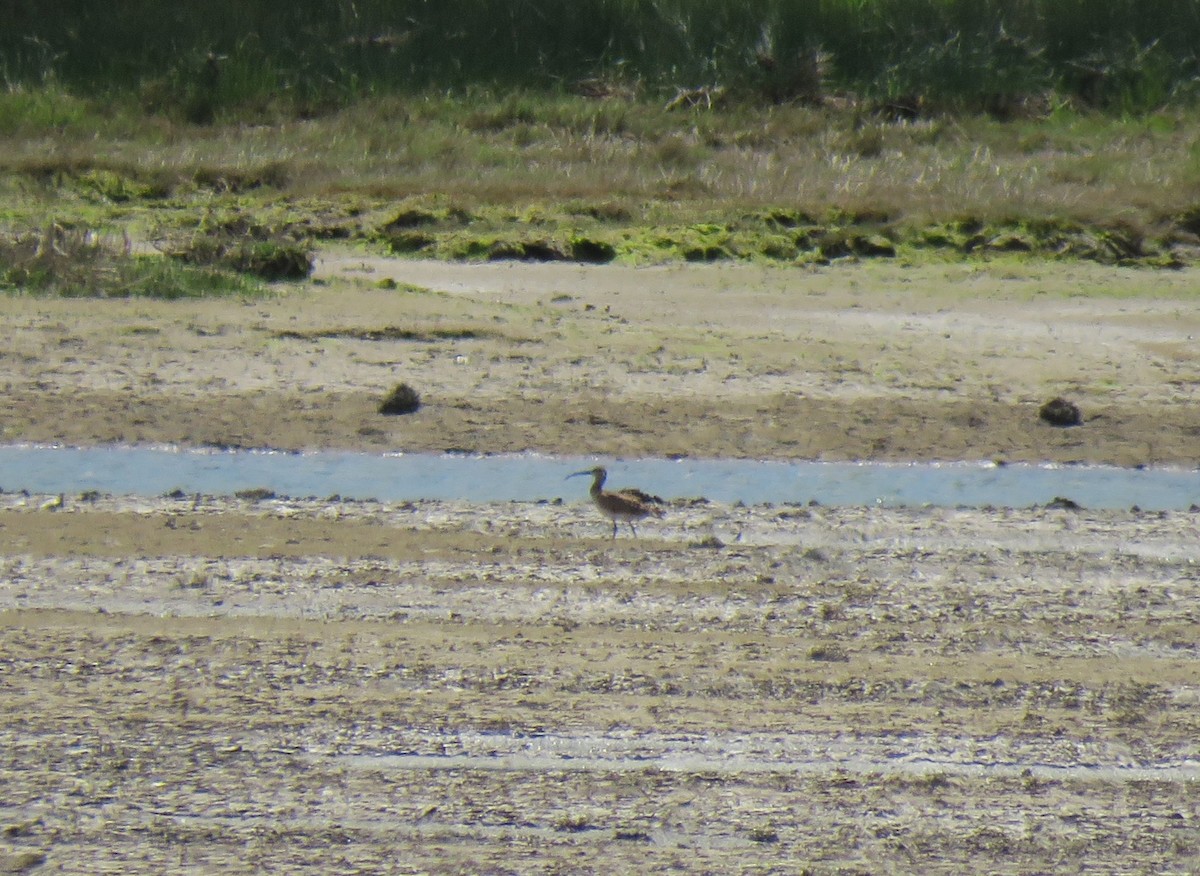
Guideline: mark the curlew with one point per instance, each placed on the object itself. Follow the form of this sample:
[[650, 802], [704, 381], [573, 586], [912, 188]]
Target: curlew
[[626, 505]]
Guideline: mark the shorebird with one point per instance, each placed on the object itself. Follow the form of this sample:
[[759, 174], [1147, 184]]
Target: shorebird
[[628, 504]]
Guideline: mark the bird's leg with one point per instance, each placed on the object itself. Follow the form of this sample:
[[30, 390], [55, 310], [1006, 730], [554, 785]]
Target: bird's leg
[[631, 529], [614, 535]]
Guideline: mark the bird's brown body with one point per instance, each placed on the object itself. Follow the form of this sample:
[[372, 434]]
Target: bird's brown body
[[626, 505]]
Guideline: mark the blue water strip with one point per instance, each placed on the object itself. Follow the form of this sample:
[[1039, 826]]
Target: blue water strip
[[530, 477]]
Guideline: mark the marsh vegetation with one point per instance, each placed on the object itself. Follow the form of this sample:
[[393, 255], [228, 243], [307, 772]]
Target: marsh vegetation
[[785, 132], [205, 61]]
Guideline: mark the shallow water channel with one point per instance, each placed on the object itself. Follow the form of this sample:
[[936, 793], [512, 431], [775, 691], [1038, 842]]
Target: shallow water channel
[[531, 477]]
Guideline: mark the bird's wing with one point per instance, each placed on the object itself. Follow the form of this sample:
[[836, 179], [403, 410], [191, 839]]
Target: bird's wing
[[641, 496]]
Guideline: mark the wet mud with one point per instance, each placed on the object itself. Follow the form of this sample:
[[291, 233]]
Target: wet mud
[[222, 685]]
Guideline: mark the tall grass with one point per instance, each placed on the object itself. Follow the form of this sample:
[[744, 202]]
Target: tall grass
[[204, 58]]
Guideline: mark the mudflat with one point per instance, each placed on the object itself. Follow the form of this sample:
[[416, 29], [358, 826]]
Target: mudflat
[[225, 685], [851, 362]]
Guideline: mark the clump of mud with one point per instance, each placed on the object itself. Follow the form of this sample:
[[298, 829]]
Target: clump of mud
[[403, 399], [1060, 412]]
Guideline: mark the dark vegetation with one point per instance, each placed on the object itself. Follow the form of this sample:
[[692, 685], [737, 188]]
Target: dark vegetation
[[1060, 412], [248, 248], [201, 60], [387, 333], [402, 399]]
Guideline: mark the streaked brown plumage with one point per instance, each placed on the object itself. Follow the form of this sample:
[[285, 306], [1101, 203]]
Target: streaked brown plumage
[[627, 504]]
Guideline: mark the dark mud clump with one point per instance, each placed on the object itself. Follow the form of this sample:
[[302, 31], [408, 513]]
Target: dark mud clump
[[1060, 412], [403, 399]]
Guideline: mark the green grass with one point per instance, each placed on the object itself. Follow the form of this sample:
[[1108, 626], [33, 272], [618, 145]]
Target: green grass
[[523, 174], [68, 263]]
